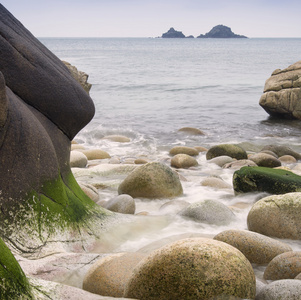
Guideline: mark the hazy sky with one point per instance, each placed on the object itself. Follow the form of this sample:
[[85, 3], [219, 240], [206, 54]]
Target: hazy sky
[[150, 18]]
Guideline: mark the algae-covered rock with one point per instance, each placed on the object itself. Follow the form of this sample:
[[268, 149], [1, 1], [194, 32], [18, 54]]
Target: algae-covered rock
[[257, 248], [277, 216], [13, 282], [262, 179], [152, 180], [284, 266], [233, 151], [193, 268]]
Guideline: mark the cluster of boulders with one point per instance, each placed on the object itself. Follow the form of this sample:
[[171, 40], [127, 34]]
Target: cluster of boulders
[[195, 267]]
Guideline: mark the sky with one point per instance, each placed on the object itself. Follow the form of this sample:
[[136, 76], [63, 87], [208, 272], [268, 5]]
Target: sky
[[151, 18]]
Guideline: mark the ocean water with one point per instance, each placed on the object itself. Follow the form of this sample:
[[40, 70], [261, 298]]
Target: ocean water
[[152, 87], [147, 89]]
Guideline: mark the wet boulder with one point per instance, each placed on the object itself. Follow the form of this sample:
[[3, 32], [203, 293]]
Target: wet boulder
[[183, 161], [231, 150], [277, 216], [262, 179], [265, 160], [183, 150], [193, 268], [152, 180], [257, 248], [284, 266], [208, 211], [281, 150], [124, 204]]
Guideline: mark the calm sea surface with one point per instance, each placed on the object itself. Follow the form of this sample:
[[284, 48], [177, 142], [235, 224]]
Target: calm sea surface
[[149, 88]]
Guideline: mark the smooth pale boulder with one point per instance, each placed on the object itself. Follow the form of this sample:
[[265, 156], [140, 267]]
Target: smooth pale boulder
[[191, 131], [173, 206], [108, 276], [215, 182], [287, 159], [78, 159], [193, 268], [117, 138], [233, 151], [262, 179], [284, 266], [208, 211], [123, 204], [96, 154], [183, 161], [286, 289], [221, 160], [277, 216], [183, 150], [152, 180], [257, 248], [265, 160]]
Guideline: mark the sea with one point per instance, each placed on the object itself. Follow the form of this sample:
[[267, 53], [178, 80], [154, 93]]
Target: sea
[[148, 88]]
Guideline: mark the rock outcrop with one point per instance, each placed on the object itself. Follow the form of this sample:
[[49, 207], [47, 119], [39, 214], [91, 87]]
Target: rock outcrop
[[172, 33], [220, 32], [42, 108], [282, 93]]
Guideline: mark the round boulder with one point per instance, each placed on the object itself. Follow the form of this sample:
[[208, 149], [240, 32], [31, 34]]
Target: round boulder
[[191, 131], [96, 154], [108, 276], [78, 159], [216, 182], [277, 216], [152, 180], [282, 150], [208, 211], [288, 289], [288, 159], [265, 160], [284, 266], [90, 191], [233, 151], [257, 248], [193, 268], [117, 138], [221, 160], [124, 204], [183, 150], [183, 161]]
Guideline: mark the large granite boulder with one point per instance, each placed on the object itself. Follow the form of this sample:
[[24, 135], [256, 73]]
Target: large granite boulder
[[192, 268], [152, 180], [257, 248], [262, 179], [42, 108], [282, 93], [221, 32], [277, 216]]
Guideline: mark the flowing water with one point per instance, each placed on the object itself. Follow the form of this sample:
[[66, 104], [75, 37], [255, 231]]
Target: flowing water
[[147, 89]]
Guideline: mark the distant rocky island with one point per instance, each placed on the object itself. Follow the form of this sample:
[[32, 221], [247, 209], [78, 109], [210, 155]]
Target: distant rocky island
[[219, 31]]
